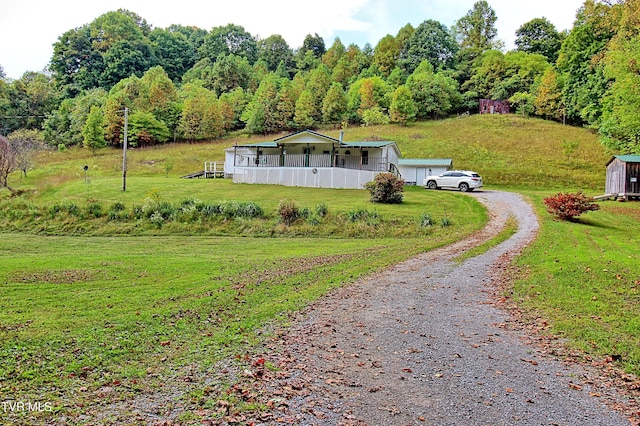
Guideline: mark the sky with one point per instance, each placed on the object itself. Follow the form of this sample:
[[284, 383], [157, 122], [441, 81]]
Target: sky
[[28, 29]]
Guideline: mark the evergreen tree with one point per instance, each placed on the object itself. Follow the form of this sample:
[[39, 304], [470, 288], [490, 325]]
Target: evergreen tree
[[334, 106], [305, 109]]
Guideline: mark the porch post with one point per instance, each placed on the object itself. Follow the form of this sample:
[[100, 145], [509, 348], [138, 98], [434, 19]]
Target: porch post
[[282, 155], [333, 155]]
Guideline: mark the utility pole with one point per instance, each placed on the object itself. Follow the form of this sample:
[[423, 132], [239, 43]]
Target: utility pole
[[124, 150]]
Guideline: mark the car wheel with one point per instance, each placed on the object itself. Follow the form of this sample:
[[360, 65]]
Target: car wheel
[[432, 184], [464, 187]]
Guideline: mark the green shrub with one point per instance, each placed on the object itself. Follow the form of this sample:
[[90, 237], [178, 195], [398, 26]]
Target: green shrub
[[363, 215], [94, 209], [117, 207], [386, 188], [425, 220], [305, 213], [322, 210], [71, 208]]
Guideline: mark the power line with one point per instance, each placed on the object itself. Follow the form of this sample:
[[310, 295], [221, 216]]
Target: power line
[[24, 116]]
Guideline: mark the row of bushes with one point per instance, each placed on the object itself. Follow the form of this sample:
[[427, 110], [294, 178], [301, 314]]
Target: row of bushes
[[158, 212]]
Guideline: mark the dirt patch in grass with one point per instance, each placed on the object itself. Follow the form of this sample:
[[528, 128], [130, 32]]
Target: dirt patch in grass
[[69, 276], [626, 211]]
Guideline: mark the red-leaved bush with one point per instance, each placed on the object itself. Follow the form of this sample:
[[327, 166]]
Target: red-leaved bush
[[568, 206]]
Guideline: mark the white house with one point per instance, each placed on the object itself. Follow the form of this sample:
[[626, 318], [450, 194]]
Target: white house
[[311, 159], [414, 170]]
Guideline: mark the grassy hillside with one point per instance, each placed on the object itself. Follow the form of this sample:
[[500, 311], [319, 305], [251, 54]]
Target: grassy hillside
[[508, 150]]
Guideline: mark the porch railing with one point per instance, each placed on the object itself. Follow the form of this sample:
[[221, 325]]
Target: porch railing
[[354, 162]]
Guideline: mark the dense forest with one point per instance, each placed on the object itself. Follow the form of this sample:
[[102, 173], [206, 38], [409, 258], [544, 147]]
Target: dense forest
[[187, 83]]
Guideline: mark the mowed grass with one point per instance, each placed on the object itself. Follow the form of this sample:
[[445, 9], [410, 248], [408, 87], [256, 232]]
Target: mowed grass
[[583, 278], [94, 310], [98, 310]]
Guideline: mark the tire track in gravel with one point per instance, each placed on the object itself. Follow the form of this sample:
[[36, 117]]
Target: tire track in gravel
[[420, 343]]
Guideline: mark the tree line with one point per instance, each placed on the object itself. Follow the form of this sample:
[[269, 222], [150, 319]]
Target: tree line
[[186, 83]]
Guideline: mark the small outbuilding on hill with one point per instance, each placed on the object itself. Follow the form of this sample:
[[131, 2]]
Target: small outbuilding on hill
[[623, 176]]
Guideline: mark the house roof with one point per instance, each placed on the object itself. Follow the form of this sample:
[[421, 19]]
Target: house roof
[[306, 136], [433, 162], [626, 158], [309, 136], [367, 144]]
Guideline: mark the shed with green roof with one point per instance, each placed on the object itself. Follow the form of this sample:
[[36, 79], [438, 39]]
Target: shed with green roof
[[415, 170], [623, 176]]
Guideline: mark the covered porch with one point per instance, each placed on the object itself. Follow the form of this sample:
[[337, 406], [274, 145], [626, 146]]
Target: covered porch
[[311, 159]]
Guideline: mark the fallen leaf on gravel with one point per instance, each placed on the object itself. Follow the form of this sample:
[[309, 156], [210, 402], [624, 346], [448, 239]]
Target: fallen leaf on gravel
[[509, 390], [574, 386], [407, 370], [530, 361]]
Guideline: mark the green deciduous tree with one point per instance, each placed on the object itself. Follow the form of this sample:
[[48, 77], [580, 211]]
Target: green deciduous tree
[[93, 131], [548, 97], [403, 108], [431, 41], [367, 93], [145, 130], [64, 125], [174, 52], [202, 116], [274, 50], [229, 40], [113, 46], [539, 36], [620, 124], [476, 32], [261, 114], [230, 72], [435, 94], [579, 61]]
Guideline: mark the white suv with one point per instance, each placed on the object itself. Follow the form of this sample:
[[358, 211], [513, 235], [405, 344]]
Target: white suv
[[464, 180]]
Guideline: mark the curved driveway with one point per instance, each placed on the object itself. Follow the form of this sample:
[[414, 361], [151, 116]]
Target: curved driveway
[[421, 343]]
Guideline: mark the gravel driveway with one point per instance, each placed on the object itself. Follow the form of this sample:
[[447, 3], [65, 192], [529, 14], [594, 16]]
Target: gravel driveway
[[421, 343]]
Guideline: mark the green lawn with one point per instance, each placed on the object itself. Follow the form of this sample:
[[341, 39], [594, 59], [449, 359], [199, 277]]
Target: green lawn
[[584, 279], [120, 301], [121, 298]]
